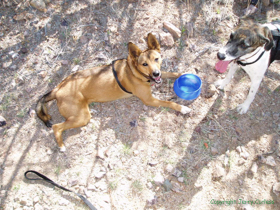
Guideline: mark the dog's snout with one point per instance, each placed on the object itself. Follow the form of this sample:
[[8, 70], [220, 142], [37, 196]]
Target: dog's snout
[[221, 56], [156, 73]]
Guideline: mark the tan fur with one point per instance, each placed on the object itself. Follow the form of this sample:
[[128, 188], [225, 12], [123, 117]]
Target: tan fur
[[99, 85]]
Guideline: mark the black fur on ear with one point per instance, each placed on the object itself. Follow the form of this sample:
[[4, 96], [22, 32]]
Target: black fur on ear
[[153, 42], [266, 35], [133, 50]]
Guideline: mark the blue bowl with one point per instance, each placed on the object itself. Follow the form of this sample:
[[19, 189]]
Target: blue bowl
[[188, 86]]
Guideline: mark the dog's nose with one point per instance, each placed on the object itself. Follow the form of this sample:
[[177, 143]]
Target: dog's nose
[[156, 73], [221, 56]]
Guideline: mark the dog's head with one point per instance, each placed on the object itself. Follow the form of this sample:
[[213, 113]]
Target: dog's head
[[147, 62], [246, 39]]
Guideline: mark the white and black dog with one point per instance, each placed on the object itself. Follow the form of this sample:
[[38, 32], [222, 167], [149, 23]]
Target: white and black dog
[[252, 47]]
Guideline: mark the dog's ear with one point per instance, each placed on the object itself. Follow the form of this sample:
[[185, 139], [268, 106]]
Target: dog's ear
[[266, 35], [133, 50], [153, 42]]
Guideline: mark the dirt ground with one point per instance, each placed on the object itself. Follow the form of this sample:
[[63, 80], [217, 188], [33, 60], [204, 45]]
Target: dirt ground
[[131, 156]]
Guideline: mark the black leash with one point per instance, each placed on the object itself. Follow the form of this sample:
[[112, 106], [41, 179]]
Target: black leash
[[44, 178]]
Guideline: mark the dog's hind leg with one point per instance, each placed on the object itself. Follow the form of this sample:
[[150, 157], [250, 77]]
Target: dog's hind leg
[[223, 82], [77, 116]]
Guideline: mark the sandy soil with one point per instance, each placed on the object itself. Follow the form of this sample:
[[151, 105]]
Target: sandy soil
[[131, 156]]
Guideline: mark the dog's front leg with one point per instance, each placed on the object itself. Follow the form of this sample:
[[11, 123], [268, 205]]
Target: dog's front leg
[[255, 83], [147, 98], [171, 75], [223, 82]]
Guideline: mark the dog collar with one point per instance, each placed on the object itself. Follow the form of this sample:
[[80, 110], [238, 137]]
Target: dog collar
[[117, 79], [245, 64]]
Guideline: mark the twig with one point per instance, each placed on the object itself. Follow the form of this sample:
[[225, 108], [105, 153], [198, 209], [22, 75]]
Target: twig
[[219, 125]]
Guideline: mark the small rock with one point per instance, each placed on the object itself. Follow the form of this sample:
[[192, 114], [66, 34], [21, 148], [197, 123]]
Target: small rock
[[136, 152], [176, 32], [38, 206], [64, 62], [73, 182], [145, 108], [176, 187], [238, 149], [26, 33], [198, 129], [266, 2], [100, 174], [218, 172], [181, 179], [153, 163], [36, 199], [39, 5], [166, 39], [244, 155], [23, 50], [276, 188], [43, 74], [75, 69], [133, 123], [177, 172], [211, 90], [83, 39], [101, 56], [270, 161], [2, 121], [214, 151], [151, 201], [254, 168], [158, 179], [241, 162], [149, 185], [167, 185], [32, 113], [100, 153], [169, 168]]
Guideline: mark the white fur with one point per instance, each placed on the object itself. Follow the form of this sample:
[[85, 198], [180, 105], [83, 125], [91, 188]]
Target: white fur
[[62, 149], [185, 110], [255, 71]]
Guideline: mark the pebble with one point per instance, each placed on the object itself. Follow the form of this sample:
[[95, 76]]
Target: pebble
[[169, 168], [276, 188], [158, 179], [211, 136], [75, 69], [100, 153], [32, 113], [100, 174], [214, 151], [43, 74], [23, 50], [153, 163], [64, 62], [218, 172], [238, 149], [73, 182], [38, 4], [136, 152], [83, 39], [149, 185], [176, 32], [2, 121], [38, 206], [254, 168], [167, 185], [176, 187], [166, 39], [270, 161], [181, 179], [177, 172], [211, 90]]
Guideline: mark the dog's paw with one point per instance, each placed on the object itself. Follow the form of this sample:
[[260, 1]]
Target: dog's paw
[[185, 110], [242, 108], [62, 149], [219, 84]]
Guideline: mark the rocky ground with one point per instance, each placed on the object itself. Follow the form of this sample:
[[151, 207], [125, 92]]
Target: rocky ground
[[131, 156]]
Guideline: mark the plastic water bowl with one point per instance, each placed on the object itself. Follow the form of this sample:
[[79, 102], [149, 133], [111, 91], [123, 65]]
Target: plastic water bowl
[[188, 86]]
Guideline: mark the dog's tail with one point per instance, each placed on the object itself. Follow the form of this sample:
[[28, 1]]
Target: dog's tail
[[41, 109]]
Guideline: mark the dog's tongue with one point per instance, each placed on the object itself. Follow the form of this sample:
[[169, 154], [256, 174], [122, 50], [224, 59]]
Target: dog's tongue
[[221, 66], [157, 78]]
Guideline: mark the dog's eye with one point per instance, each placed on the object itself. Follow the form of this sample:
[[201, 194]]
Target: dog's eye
[[156, 59], [145, 64]]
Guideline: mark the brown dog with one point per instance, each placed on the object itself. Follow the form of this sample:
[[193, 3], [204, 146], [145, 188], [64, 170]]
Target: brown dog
[[122, 79]]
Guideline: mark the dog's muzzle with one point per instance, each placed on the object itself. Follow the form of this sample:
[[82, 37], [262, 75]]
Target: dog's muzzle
[[221, 56], [157, 76]]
